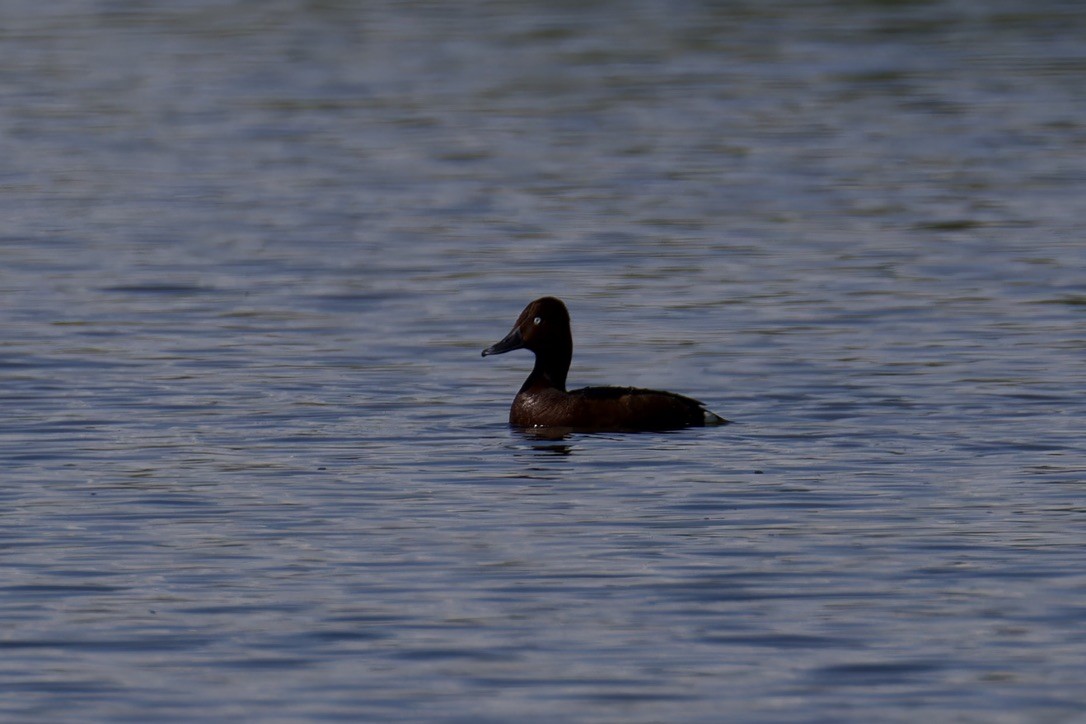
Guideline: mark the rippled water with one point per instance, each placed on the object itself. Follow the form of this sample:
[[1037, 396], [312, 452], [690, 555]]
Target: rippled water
[[255, 467]]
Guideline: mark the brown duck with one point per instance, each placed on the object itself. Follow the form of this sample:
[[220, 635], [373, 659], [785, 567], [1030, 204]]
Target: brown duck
[[543, 401]]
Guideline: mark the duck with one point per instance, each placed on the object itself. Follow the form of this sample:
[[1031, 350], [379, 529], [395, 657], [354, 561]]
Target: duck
[[544, 402]]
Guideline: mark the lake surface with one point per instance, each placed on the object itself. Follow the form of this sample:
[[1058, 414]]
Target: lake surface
[[254, 467]]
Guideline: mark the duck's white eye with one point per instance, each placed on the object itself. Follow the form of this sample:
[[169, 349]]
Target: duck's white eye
[[537, 320]]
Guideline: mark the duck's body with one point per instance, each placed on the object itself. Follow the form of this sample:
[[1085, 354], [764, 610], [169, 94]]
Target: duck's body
[[608, 408], [543, 401]]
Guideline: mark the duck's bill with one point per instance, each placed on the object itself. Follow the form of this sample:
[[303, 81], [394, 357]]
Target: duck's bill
[[512, 341]]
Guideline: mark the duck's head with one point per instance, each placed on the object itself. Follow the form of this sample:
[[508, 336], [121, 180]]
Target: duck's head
[[543, 327]]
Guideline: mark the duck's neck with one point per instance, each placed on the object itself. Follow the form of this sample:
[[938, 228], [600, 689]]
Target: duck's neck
[[551, 368]]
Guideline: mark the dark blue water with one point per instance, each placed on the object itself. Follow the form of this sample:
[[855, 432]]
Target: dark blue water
[[254, 467]]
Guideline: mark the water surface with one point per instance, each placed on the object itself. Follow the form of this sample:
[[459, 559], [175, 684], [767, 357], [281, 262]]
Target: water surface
[[254, 465]]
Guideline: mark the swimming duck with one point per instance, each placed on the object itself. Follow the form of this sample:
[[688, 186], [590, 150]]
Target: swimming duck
[[543, 401]]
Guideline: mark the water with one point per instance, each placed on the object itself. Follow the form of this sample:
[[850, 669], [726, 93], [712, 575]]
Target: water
[[253, 465]]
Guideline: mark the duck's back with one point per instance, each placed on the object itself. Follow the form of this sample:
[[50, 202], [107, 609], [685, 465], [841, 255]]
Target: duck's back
[[639, 409]]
